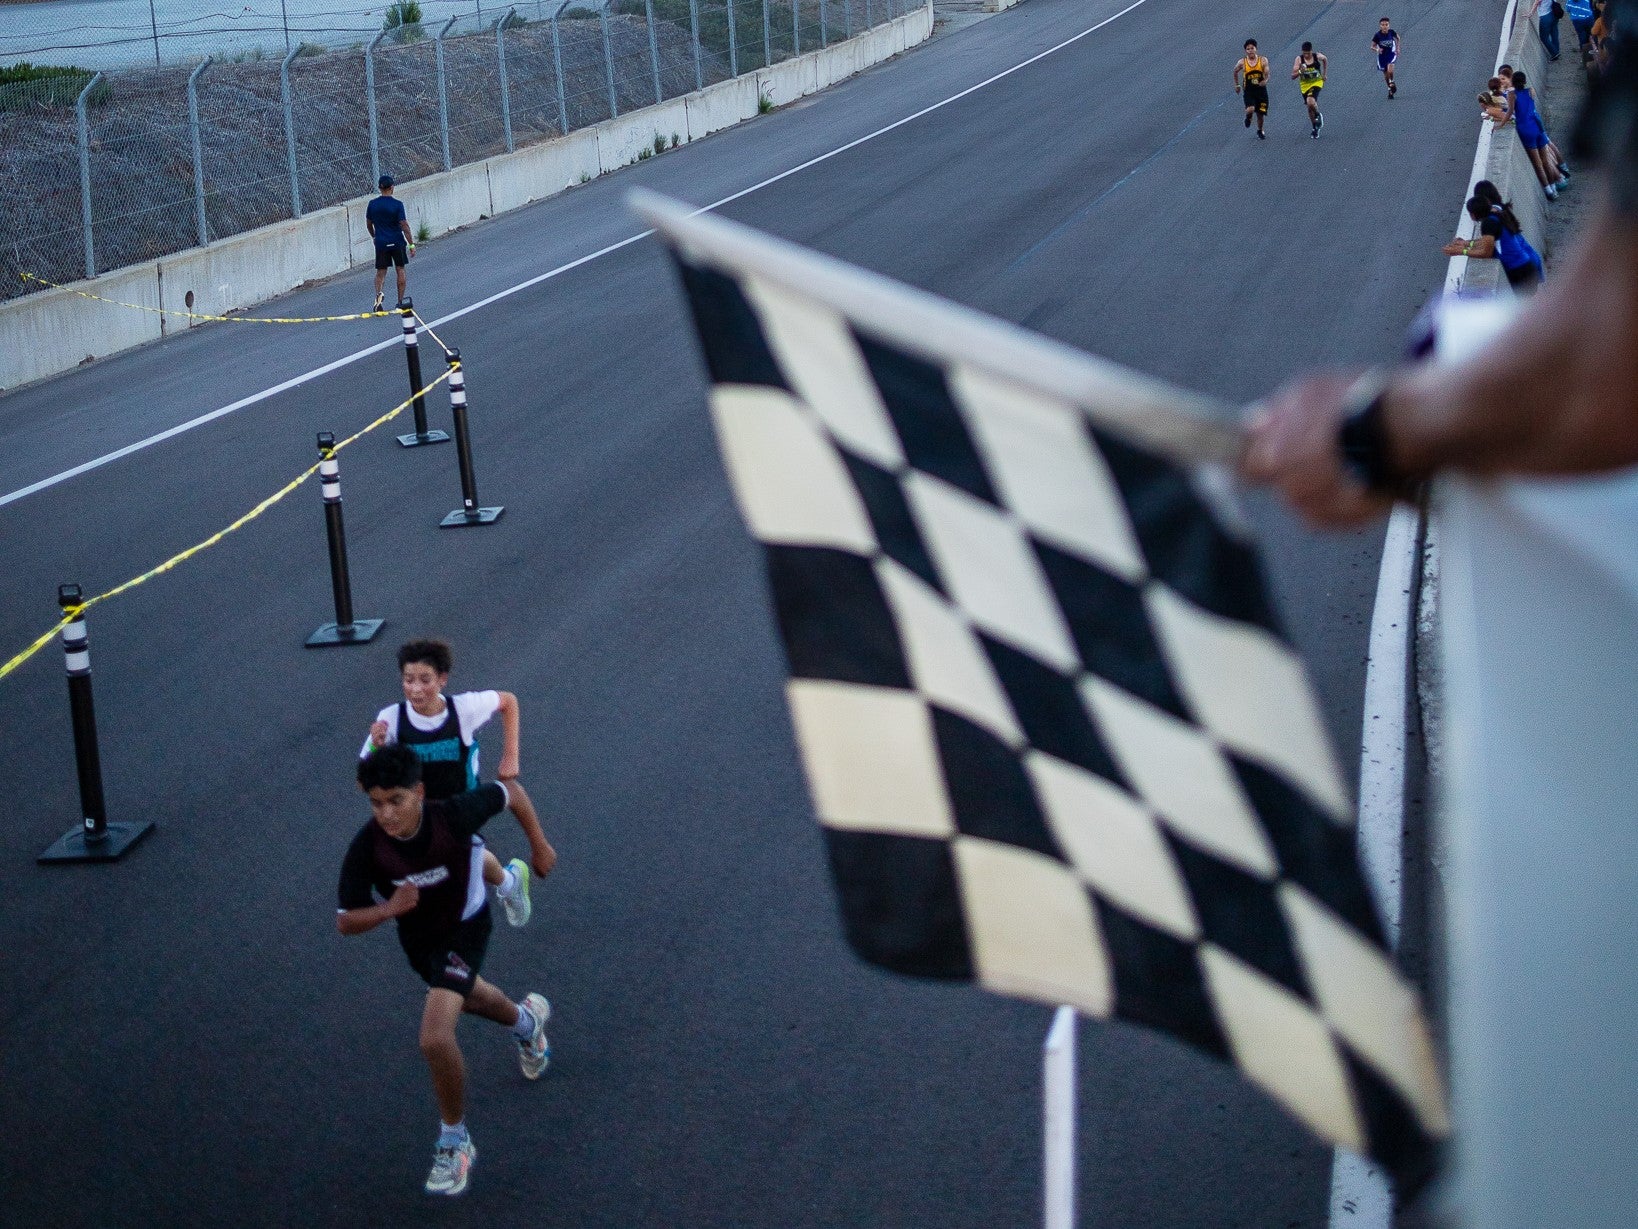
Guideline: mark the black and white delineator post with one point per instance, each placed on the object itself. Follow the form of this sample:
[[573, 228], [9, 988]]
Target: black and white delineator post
[[346, 629], [412, 352], [96, 840], [469, 513]]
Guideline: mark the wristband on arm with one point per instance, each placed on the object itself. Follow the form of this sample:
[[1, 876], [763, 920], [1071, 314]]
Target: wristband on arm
[[1362, 438]]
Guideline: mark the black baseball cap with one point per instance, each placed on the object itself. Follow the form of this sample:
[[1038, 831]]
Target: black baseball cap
[[384, 182]]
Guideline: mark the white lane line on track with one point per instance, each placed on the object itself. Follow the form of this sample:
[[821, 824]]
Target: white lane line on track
[[306, 377]]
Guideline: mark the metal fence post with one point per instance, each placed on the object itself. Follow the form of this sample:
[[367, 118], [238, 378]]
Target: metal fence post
[[694, 35], [767, 37], [824, 31], [290, 130], [733, 42], [443, 92], [557, 69], [608, 58], [796, 27], [198, 152], [653, 50], [369, 102], [870, 21], [506, 86], [84, 125], [847, 18]]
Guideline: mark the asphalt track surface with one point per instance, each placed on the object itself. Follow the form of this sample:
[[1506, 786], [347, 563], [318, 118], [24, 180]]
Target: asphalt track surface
[[186, 1038]]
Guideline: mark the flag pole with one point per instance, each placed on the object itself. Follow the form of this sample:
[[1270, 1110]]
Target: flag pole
[[1058, 1080]]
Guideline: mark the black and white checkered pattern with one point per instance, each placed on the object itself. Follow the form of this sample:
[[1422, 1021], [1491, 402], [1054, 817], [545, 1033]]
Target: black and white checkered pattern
[[1055, 740]]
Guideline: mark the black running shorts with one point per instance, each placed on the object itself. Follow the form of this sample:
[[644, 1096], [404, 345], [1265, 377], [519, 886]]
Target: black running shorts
[[1256, 96], [397, 254], [453, 960]]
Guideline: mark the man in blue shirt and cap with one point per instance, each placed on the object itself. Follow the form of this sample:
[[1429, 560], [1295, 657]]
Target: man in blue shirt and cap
[[388, 224]]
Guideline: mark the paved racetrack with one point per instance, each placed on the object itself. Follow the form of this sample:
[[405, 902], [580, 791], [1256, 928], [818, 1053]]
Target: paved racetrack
[[187, 1041]]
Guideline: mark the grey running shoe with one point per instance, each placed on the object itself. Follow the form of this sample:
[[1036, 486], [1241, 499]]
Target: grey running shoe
[[535, 1053], [451, 1167], [517, 905], [377, 306]]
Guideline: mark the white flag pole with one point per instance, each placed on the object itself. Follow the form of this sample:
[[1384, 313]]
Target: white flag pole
[[1058, 1080]]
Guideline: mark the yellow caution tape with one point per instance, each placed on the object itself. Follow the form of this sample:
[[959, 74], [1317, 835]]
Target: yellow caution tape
[[171, 311], [427, 328], [70, 613]]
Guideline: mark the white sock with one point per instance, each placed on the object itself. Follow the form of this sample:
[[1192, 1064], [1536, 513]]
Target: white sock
[[525, 1027], [508, 885], [452, 1136]]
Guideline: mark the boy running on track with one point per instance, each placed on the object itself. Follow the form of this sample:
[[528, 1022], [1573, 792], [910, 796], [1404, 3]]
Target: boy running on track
[[443, 732], [1385, 42], [414, 862], [1252, 73], [1309, 74]]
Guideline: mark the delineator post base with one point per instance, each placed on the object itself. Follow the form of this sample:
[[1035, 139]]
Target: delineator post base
[[359, 631], [117, 839], [461, 517]]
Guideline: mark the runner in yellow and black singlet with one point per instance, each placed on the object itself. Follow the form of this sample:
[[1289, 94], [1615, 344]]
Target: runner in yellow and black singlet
[[1308, 71], [1251, 76]]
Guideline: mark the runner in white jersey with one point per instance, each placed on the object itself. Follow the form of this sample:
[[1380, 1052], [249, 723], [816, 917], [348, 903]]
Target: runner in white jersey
[[442, 730]]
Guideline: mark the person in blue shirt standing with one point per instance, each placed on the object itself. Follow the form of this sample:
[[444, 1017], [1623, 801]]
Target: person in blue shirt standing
[[1386, 44], [388, 224], [1582, 18]]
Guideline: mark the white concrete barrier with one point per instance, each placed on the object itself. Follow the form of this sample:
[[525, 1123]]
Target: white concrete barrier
[[57, 330], [60, 330], [1508, 166], [721, 106], [544, 170], [620, 142], [253, 267]]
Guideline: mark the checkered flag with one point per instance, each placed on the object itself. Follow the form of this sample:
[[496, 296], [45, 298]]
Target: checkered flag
[[1055, 739]]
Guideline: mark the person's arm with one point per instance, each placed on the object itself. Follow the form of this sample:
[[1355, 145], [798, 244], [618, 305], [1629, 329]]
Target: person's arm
[[1537, 400], [1480, 247], [369, 225], [1324, 64], [507, 769], [542, 857], [1239, 71], [1296, 67], [403, 225], [368, 917]]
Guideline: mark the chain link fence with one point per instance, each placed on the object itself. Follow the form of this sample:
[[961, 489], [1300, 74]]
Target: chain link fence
[[104, 169]]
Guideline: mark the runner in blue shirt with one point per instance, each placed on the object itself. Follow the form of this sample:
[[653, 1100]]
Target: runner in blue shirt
[[1385, 42], [388, 224]]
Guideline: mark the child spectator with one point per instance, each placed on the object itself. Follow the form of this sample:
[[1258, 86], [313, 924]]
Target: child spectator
[[1501, 238]]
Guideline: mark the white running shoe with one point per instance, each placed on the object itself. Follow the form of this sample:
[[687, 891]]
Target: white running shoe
[[536, 1053], [451, 1167], [517, 905]]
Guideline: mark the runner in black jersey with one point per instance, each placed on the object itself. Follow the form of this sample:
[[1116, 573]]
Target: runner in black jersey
[[443, 730], [419, 862], [1251, 74], [1309, 73]]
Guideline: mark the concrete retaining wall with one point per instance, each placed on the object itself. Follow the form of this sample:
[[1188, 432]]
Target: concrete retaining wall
[[57, 330], [1508, 166]]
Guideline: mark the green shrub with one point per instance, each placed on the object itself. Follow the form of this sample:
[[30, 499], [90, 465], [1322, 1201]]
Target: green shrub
[[25, 85], [403, 21]]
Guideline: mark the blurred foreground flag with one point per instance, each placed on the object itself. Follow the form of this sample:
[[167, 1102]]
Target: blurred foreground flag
[[1055, 739]]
